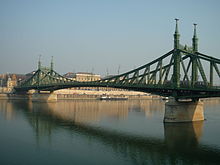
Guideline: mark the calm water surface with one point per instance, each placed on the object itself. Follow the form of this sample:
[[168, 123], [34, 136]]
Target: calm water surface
[[104, 132]]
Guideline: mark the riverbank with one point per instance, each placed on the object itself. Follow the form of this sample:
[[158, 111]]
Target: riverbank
[[73, 94], [70, 94]]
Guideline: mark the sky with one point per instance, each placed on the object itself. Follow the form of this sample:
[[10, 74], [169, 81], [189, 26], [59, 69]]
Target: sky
[[100, 36]]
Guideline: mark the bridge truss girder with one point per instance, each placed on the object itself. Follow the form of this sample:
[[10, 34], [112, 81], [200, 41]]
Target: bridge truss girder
[[179, 73]]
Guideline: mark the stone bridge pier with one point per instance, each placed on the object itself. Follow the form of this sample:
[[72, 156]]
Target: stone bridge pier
[[44, 97], [183, 111]]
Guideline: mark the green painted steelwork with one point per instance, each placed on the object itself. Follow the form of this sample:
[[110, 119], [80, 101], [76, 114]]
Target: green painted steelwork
[[195, 40], [180, 73], [51, 65]]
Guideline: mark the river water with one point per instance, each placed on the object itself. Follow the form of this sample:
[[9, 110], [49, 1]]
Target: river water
[[83, 132]]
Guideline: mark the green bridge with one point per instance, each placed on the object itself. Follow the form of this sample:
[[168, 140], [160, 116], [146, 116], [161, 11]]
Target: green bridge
[[182, 73]]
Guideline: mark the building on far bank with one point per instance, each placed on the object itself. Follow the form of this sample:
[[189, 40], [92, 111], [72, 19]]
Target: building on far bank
[[12, 81], [83, 76], [7, 83]]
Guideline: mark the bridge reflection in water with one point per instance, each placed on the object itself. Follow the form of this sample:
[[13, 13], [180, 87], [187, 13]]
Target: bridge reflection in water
[[180, 144]]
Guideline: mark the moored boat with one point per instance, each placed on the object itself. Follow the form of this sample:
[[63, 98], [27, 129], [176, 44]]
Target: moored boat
[[111, 98]]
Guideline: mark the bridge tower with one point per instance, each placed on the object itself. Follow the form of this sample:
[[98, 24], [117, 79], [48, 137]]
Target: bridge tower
[[176, 36], [177, 57], [51, 66], [193, 59], [39, 62], [43, 96], [185, 111], [51, 63], [39, 68], [195, 40]]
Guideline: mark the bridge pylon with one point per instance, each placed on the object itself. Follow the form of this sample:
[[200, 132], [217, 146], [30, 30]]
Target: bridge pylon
[[176, 57]]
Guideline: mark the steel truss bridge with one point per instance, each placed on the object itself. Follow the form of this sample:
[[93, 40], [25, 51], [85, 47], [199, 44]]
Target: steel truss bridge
[[182, 73]]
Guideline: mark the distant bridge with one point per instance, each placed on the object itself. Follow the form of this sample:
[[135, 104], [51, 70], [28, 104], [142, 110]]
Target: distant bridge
[[181, 73]]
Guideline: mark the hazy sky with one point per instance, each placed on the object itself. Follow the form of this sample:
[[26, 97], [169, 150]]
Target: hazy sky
[[86, 35]]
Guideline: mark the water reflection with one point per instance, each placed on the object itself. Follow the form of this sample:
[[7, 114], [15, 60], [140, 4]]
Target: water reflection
[[87, 111], [212, 102], [179, 146], [186, 135], [6, 108]]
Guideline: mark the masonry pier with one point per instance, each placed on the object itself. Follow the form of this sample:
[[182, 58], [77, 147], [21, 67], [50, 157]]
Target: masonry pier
[[44, 97], [184, 111]]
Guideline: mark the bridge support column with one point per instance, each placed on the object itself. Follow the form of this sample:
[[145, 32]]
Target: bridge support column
[[183, 111], [44, 97]]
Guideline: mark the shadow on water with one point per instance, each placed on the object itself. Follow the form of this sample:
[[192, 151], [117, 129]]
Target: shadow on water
[[179, 146]]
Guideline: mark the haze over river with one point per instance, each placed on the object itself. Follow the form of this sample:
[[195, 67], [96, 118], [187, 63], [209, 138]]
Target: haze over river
[[96, 132]]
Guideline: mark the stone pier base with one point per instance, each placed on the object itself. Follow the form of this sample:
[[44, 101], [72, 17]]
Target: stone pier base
[[183, 111], [44, 97]]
